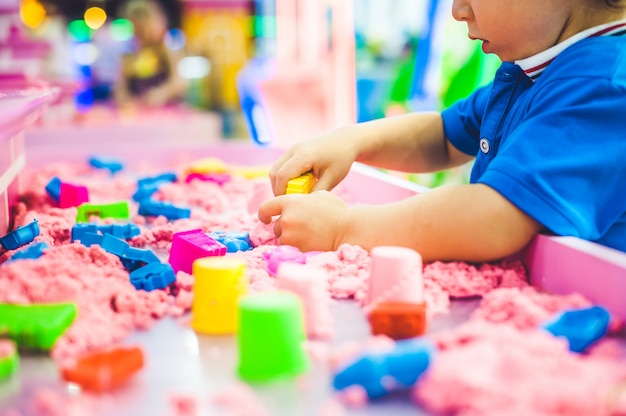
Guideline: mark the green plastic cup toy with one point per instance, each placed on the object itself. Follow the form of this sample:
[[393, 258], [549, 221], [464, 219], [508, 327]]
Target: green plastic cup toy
[[271, 336]]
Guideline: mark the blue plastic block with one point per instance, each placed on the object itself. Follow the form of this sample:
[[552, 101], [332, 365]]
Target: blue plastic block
[[111, 164], [123, 230], [20, 236], [144, 192], [114, 245], [148, 186], [152, 276], [384, 372], [33, 251], [159, 179], [88, 239], [581, 327], [139, 254], [116, 230], [148, 256], [233, 240], [166, 209], [79, 230], [131, 265], [53, 188], [134, 258]]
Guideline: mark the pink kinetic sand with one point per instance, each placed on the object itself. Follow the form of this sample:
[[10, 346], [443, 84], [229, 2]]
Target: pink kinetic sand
[[497, 363]]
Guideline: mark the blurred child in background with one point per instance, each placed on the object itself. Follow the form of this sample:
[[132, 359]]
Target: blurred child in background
[[149, 76]]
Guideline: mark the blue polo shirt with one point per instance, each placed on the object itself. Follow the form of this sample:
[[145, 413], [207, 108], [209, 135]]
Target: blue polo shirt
[[554, 145]]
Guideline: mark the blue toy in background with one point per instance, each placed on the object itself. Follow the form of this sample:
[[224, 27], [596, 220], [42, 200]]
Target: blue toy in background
[[149, 185], [581, 327], [53, 188], [20, 237], [117, 230], [381, 373], [111, 164], [166, 209], [233, 240]]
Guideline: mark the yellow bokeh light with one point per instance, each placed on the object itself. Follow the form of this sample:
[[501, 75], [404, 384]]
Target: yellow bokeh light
[[32, 13], [95, 17]]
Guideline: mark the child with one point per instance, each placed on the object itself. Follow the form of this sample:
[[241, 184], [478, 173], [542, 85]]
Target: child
[[548, 139], [149, 75]]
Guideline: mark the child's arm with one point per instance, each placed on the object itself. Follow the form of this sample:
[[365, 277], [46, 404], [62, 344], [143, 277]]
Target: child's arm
[[460, 222], [413, 143]]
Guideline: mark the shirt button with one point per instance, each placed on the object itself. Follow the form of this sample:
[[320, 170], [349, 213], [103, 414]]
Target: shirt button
[[484, 145]]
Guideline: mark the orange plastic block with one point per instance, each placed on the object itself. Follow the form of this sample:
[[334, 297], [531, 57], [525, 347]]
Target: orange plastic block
[[104, 370], [398, 320], [301, 185]]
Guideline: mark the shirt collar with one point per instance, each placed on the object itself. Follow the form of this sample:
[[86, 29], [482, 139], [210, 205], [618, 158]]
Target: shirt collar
[[534, 66]]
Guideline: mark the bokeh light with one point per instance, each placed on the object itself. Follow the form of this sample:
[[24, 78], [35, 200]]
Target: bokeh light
[[174, 39], [79, 30], [95, 17], [122, 30], [194, 67], [85, 53], [32, 13]]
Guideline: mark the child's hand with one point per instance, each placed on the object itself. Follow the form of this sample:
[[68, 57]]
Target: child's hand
[[306, 221], [329, 158]]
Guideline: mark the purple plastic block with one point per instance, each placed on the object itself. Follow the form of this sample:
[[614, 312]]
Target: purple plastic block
[[72, 195], [281, 254], [188, 246]]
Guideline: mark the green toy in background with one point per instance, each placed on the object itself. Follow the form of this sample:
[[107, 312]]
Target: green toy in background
[[439, 68]]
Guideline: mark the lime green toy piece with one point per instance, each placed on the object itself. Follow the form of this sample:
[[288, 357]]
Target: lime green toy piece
[[9, 359], [301, 185], [117, 210], [270, 337], [36, 327]]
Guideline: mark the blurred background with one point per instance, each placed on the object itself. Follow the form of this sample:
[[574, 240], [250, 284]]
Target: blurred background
[[270, 70]]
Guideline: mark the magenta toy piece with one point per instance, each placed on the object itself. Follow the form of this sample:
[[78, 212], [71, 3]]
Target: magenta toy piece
[[282, 254], [188, 246], [72, 195], [218, 178]]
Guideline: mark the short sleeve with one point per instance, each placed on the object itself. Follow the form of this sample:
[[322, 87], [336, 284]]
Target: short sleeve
[[462, 120], [565, 164]]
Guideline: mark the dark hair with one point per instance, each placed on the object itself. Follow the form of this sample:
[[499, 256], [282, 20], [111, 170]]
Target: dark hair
[[173, 9], [75, 9]]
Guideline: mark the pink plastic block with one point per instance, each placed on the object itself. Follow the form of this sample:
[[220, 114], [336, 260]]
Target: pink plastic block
[[396, 276], [311, 285], [72, 195], [188, 246]]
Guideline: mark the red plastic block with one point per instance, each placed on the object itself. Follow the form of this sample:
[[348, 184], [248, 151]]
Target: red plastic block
[[104, 370], [398, 320]]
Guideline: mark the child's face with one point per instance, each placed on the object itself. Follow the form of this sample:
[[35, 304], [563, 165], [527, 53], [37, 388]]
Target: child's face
[[149, 21], [515, 29]]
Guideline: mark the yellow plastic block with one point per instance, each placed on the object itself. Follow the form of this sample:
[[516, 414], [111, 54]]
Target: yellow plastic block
[[220, 281], [301, 185], [251, 172], [207, 165]]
